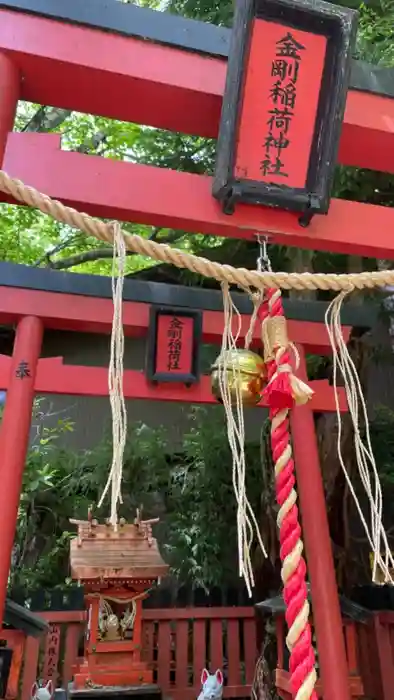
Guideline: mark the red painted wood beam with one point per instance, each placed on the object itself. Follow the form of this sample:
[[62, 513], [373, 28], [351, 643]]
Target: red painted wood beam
[[54, 377], [94, 315], [161, 197], [61, 617], [124, 78]]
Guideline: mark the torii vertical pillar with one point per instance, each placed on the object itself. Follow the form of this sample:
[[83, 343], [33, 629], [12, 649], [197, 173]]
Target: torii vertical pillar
[[14, 437], [9, 95], [13, 425], [325, 602]]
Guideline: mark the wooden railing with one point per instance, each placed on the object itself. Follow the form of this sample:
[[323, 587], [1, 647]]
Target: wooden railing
[[381, 664], [356, 689], [177, 643], [180, 642], [370, 659]]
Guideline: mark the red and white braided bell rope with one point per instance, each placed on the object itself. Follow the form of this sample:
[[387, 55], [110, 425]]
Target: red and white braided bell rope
[[282, 392]]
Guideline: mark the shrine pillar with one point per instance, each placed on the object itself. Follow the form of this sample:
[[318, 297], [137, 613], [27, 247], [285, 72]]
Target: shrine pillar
[[14, 436], [325, 602], [10, 92]]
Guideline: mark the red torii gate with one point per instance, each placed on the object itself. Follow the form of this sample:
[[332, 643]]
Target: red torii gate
[[58, 63], [65, 306], [75, 312]]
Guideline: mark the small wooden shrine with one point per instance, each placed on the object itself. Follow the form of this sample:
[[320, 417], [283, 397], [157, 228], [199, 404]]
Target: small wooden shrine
[[117, 568]]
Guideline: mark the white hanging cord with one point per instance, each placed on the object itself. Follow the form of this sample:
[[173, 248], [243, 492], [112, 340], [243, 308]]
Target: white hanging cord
[[343, 363], [257, 299], [246, 521], [115, 379]]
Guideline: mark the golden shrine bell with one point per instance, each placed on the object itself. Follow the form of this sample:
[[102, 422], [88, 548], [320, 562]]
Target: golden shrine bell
[[245, 373]]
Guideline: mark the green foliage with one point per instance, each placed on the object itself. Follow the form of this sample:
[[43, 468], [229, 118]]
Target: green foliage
[[46, 466], [201, 503], [375, 38], [375, 44], [191, 490], [382, 437], [213, 11]]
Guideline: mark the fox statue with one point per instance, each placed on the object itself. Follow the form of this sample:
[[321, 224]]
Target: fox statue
[[212, 685], [42, 693]]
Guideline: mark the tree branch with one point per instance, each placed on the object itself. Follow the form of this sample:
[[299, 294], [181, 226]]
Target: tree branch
[[88, 256], [46, 118], [93, 143], [98, 253], [63, 244]]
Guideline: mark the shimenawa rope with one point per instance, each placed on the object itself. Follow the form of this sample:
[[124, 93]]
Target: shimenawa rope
[[164, 253]]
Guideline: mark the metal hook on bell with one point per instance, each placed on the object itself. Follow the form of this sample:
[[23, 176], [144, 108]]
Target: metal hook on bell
[[263, 261]]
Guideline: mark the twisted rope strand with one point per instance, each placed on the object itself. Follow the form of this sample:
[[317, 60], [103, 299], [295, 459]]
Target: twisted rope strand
[[295, 593], [164, 253], [365, 460], [115, 380], [247, 525], [236, 438]]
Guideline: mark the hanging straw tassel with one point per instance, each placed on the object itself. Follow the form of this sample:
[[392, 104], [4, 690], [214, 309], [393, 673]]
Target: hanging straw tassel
[[343, 364], [115, 379], [283, 392], [284, 388], [247, 526]]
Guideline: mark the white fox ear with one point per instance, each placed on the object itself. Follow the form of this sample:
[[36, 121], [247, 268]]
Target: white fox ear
[[204, 676], [49, 687], [34, 689], [219, 676]]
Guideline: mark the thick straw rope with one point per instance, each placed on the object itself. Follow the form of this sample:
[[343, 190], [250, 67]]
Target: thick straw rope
[[295, 594], [159, 251]]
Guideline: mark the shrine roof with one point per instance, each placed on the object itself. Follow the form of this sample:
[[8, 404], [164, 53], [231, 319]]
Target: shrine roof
[[127, 554], [349, 609], [21, 618]]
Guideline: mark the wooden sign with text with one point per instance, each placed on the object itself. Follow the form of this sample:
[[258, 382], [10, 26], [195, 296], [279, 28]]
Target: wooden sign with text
[[174, 345], [283, 105], [289, 80]]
